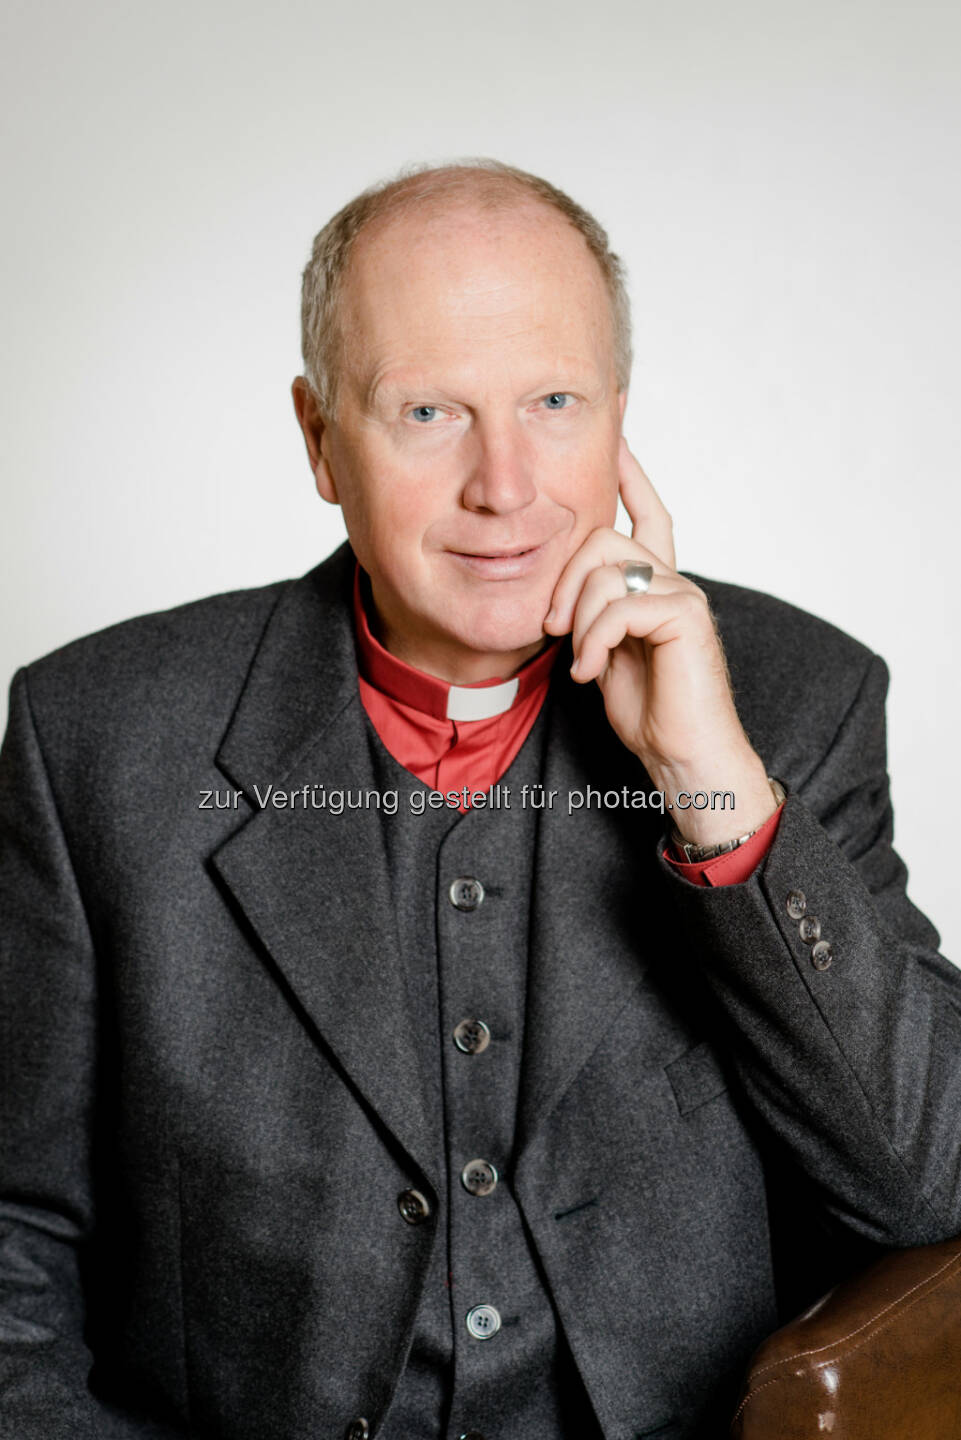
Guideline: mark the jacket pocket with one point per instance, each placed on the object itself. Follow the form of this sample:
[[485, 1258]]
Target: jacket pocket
[[695, 1078]]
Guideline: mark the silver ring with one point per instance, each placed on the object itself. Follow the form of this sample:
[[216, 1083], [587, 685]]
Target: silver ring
[[637, 576]]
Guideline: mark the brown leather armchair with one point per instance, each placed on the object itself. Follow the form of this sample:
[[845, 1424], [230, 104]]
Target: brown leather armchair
[[879, 1358]]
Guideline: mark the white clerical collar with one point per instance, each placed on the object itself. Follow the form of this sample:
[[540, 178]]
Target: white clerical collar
[[480, 702]]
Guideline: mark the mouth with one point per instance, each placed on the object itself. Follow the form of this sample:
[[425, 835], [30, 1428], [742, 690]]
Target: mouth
[[499, 554], [511, 563]]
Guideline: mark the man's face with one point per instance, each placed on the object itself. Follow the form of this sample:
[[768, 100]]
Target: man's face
[[476, 436]]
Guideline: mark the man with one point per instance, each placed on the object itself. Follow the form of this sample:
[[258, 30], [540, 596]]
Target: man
[[382, 1056]]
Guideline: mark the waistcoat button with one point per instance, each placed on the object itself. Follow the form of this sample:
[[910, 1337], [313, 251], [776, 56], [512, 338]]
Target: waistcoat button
[[472, 1036], [479, 1177], [483, 1321], [357, 1429], [413, 1206], [466, 893], [471, 1435]]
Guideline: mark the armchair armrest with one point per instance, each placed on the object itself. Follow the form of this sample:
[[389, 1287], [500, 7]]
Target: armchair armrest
[[879, 1358]]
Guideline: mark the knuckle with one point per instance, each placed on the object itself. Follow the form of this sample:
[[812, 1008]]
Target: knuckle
[[599, 537], [693, 605], [694, 598], [604, 577]]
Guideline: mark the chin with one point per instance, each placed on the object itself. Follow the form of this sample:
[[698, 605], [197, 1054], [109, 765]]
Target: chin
[[502, 630]]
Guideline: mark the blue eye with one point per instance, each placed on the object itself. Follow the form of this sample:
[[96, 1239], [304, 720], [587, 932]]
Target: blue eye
[[424, 413], [557, 401]]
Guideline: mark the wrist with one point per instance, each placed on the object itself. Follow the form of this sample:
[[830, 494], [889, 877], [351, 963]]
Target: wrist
[[706, 851], [734, 804]]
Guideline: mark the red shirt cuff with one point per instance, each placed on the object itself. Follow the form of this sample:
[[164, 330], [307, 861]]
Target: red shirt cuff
[[736, 866]]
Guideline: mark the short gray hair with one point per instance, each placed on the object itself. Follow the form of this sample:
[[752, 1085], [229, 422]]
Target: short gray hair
[[488, 183]]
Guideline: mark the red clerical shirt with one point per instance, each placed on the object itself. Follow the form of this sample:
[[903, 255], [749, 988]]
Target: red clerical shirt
[[457, 736]]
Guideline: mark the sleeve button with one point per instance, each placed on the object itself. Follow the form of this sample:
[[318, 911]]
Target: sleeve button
[[796, 904], [821, 955], [809, 929]]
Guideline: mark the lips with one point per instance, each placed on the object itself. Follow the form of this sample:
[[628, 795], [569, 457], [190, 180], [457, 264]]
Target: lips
[[499, 554], [507, 550], [512, 563]]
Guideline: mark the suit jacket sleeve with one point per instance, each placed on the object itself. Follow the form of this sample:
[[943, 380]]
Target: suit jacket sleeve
[[48, 1045], [853, 1069]]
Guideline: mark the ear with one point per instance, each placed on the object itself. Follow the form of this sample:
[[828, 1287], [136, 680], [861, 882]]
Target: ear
[[315, 432]]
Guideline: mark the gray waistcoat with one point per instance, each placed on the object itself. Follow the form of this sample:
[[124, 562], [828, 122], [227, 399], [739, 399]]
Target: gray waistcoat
[[466, 959]]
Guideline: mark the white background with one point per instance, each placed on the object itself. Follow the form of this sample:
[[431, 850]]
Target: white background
[[781, 180]]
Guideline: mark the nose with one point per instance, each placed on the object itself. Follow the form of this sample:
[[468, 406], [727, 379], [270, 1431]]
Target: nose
[[501, 477]]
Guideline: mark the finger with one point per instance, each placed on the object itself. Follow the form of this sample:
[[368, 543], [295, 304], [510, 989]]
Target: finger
[[602, 547], [655, 618], [650, 520], [603, 587]]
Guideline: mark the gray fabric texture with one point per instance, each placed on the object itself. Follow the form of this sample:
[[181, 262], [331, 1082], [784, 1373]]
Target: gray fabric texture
[[211, 1097]]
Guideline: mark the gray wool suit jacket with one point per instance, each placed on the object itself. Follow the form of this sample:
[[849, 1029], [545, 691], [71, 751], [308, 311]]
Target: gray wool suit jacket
[[210, 1101]]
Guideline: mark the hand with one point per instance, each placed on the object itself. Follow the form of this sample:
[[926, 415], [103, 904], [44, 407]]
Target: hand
[[658, 660]]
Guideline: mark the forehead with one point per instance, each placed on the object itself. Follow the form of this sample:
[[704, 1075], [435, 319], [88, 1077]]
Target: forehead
[[457, 281]]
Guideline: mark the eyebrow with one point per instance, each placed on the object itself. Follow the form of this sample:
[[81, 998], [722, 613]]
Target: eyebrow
[[399, 382], [391, 382]]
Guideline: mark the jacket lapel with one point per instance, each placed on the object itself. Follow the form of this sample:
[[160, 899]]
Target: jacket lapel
[[314, 884]]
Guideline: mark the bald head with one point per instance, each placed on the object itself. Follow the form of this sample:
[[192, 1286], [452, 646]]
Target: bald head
[[424, 198]]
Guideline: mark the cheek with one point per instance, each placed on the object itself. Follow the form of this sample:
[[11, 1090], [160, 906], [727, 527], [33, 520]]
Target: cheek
[[585, 470], [605, 499], [391, 521], [590, 493], [379, 499]]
